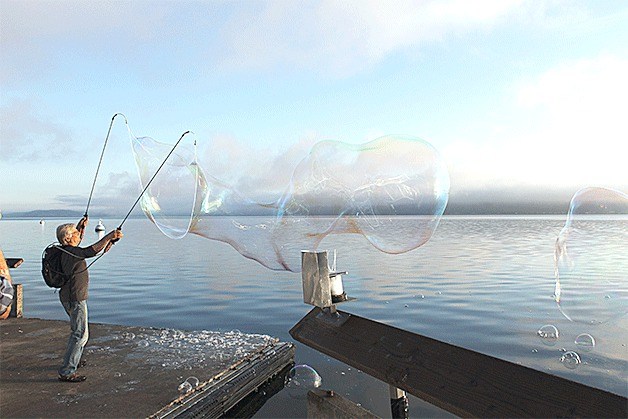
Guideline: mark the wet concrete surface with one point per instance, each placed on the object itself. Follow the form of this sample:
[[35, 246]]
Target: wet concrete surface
[[131, 371]]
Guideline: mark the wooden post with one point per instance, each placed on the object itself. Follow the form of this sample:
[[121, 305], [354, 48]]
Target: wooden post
[[461, 381], [18, 301], [327, 404]]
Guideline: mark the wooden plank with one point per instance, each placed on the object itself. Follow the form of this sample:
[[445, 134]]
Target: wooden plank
[[17, 306], [215, 397], [248, 407], [464, 382], [326, 404]]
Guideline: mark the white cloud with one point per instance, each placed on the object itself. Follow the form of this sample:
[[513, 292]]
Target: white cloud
[[345, 37], [37, 34], [114, 195], [337, 38], [257, 173], [27, 136], [572, 132], [593, 91]]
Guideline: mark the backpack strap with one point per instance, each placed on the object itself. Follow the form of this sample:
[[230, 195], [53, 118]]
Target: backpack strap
[[59, 246]]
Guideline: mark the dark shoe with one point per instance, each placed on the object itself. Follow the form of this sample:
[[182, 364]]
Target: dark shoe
[[82, 363], [72, 378]]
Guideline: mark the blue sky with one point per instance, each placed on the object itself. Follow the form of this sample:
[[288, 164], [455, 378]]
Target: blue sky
[[525, 100]]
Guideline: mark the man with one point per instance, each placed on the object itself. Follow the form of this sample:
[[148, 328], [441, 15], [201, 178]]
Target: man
[[73, 294]]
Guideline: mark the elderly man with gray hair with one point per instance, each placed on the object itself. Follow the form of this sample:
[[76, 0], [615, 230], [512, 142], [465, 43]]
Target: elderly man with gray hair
[[73, 294]]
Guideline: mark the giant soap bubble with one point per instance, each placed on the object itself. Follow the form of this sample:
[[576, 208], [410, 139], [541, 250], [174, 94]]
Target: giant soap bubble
[[590, 257], [392, 191], [175, 190]]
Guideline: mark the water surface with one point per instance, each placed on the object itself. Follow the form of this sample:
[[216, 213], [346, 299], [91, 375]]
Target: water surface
[[484, 283]]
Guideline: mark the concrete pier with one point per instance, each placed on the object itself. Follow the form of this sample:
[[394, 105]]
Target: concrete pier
[[132, 371]]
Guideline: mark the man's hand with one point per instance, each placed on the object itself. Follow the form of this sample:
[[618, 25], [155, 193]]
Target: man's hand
[[115, 235], [80, 226]]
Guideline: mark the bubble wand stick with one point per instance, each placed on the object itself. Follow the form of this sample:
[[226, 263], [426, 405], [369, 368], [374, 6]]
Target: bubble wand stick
[[100, 161], [146, 187]]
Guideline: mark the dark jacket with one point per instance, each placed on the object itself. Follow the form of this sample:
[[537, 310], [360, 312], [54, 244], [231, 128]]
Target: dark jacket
[[75, 267]]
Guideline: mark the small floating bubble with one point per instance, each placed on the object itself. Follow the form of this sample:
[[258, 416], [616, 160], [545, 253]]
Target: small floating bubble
[[143, 343], [117, 374], [585, 342], [570, 360], [193, 381], [548, 334], [301, 379], [185, 387]]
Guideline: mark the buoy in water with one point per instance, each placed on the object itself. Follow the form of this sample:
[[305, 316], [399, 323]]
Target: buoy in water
[[100, 227]]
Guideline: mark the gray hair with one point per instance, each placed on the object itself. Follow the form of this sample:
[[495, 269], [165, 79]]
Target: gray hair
[[64, 232]]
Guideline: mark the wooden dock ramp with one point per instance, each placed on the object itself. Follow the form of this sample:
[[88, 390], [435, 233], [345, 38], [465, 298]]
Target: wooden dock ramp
[[461, 381], [133, 371]]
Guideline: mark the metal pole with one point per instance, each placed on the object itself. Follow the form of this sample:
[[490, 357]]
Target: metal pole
[[398, 403], [100, 161]]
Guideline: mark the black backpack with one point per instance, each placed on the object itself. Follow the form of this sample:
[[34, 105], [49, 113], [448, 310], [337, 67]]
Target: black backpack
[[51, 268]]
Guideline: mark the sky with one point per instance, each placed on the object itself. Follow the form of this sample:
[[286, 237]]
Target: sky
[[524, 100]]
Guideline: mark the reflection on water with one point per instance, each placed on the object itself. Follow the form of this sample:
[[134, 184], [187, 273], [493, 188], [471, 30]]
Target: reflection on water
[[483, 283]]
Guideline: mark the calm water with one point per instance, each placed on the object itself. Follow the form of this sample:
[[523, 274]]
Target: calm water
[[484, 283]]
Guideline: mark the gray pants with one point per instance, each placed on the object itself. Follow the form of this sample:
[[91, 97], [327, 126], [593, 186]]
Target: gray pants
[[77, 310]]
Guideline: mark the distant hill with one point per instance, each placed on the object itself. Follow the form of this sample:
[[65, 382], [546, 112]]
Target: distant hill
[[44, 214], [454, 207], [507, 208]]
